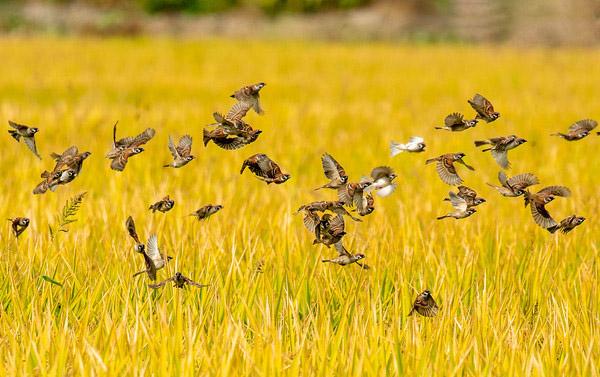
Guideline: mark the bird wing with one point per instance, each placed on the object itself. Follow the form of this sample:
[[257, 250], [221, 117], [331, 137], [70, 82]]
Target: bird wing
[[501, 158], [386, 190], [457, 202], [454, 119], [522, 181], [238, 111], [230, 143], [556, 191], [311, 220], [344, 195], [17, 126], [466, 192], [332, 169], [184, 148], [143, 138], [172, 148], [336, 224], [162, 283], [541, 216], [120, 161], [30, 142], [416, 140], [191, 282], [153, 251], [447, 172], [583, 125], [130, 224], [381, 172], [341, 249]]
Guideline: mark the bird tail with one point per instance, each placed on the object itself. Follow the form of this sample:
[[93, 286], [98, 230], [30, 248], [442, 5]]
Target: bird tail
[[153, 208], [14, 134], [442, 128], [558, 134], [442, 217], [326, 260], [166, 166], [430, 161], [206, 137], [140, 272], [479, 143], [486, 149], [396, 148], [553, 229], [40, 189]]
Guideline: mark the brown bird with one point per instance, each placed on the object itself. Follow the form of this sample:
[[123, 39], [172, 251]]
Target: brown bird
[[322, 206], [456, 122], [500, 146], [231, 132], [469, 195], [265, 169], [51, 181], [328, 230], [382, 178], [578, 130], [163, 205], [126, 147], [424, 305], [207, 211], [515, 186], [484, 108], [179, 281], [70, 159], [567, 224], [461, 209], [19, 224], [446, 169], [334, 172], [182, 152], [345, 258], [539, 200], [27, 133], [352, 194], [250, 96], [153, 258], [366, 204]]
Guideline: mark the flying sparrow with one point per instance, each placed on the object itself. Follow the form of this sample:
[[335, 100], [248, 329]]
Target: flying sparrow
[[515, 186], [322, 206], [182, 152], [27, 133], [455, 122], [500, 146], [124, 148], [345, 258], [578, 130], [163, 205], [179, 281], [51, 181], [329, 230], [250, 95], [446, 169], [415, 144], [207, 211], [538, 201], [19, 224], [265, 169], [461, 209], [366, 204], [153, 258], [567, 224], [382, 178], [424, 305], [334, 172], [70, 159], [484, 108], [352, 194], [469, 195]]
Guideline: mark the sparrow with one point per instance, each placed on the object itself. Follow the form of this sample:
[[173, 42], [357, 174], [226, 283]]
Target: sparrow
[[446, 169], [352, 194], [415, 144], [578, 130], [567, 224], [424, 305], [70, 159], [53, 180], [250, 96], [345, 258], [265, 169], [334, 172], [179, 281], [163, 205], [469, 195], [366, 204], [139, 246], [329, 229], [538, 201], [455, 122], [515, 186], [484, 108], [19, 224], [231, 132], [207, 211], [181, 152], [27, 133], [322, 206], [500, 146], [126, 147], [382, 178], [461, 208], [153, 258]]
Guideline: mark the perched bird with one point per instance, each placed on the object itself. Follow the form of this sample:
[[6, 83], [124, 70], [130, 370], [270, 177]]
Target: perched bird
[[126, 147], [179, 281], [500, 146], [207, 211], [329, 229], [415, 144], [538, 201], [578, 130], [484, 108], [345, 258], [182, 152], [515, 186], [334, 172], [163, 205], [456, 122], [469, 195], [322, 206], [27, 133], [446, 169], [382, 178], [567, 224], [424, 305], [265, 169], [153, 258], [130, 225], [250, 95], [19, 224], [461, 208]]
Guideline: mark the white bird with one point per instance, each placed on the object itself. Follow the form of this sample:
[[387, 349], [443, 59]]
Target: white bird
[[415, 144]]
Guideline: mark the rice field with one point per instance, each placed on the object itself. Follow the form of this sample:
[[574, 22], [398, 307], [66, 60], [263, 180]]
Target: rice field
[[514, 299]]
